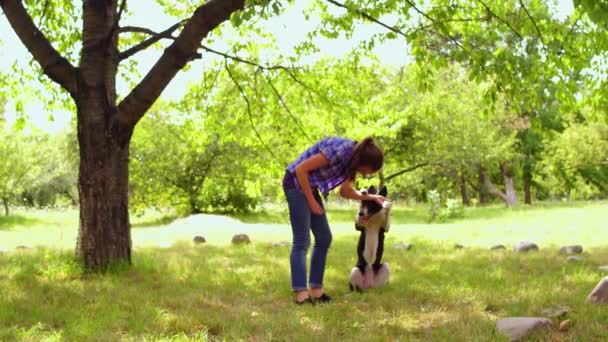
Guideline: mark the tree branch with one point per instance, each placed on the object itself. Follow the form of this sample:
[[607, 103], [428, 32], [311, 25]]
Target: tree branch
[[44, 11], [368, 17], [293, 118], [239, 59], [148, 42], [121, 9], [504, 21], [205, 18], [55, 66], [409, 169], [167, 35], [493, 189], [246, 98], [533, 22]]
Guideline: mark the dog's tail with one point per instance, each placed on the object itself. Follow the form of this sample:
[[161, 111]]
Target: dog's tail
[[371, 244]]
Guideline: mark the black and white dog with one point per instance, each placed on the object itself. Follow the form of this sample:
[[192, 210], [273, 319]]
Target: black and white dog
[[373, 220]]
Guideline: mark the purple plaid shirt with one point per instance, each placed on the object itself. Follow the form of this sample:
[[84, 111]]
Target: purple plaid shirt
[[337, 151]]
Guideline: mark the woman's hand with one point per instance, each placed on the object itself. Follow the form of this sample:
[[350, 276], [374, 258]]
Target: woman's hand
[[315, 208], [376, 198]]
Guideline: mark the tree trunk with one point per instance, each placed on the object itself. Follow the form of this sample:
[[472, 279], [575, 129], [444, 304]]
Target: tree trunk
[[492, 189], [527, 186], [382, 179], [104, 235], [510, 194], [483, 188], [463, 189], [5, 202]]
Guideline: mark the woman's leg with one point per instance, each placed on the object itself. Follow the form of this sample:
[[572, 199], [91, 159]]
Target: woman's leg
[[299, 215], [322, 233]]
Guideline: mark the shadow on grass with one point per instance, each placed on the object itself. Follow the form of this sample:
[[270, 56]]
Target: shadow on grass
[[17, 221], [436, 294]]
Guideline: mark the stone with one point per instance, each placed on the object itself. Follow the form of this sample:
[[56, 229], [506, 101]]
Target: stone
[[198, 240], [240, 239], [406, 246], [599, 293], [519, 327], [280, 244], [574, 249], [458, 246], [525, 246], [564, 325], [603, 268], [496, 247], [574, 258], [2, 250], [556, 311]]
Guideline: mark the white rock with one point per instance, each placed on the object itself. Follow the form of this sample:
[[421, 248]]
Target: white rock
[[574, 249], [524, 246], [519, 327], [402, 245], [280, 244], [599, 293], [198, 239], [240, 239]]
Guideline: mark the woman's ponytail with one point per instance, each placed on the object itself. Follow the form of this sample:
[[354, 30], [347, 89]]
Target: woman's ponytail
[[365, 153]]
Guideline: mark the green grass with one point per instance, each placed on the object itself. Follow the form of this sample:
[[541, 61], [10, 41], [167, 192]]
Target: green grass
[[220, 292], [232, 293]]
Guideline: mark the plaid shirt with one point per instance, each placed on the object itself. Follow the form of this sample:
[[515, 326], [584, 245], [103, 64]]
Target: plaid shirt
[[338, 152]]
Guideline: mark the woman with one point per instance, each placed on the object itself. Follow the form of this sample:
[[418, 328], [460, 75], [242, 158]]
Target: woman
[[328, 163]]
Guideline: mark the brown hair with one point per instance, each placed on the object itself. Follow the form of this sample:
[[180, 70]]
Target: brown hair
[[366, 153]]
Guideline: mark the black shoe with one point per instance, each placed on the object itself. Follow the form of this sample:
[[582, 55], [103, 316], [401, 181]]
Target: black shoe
[[305, 301], [323, 299]]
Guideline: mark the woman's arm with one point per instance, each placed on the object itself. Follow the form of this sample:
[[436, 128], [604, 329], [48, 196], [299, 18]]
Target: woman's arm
[[347, 191], [302, 170]]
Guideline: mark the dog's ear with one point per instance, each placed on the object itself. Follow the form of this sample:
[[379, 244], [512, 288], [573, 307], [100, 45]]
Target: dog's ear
[[383, 191], [372, 190]]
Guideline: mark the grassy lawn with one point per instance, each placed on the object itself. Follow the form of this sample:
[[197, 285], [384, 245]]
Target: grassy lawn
[[214, 291]]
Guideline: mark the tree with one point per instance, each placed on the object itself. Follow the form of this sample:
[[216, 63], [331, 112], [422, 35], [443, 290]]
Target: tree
[[449, 128], [18, 167], [579, 155], [105, 125]]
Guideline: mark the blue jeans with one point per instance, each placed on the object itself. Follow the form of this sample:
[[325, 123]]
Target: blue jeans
[[302, 221]]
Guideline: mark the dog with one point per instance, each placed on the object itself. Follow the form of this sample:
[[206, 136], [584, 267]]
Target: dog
[[373, 221]]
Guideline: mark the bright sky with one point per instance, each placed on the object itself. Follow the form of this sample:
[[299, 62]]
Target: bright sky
[[288, 30]]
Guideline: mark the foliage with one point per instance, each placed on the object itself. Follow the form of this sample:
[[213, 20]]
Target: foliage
[[576, 159], [178, 162], [452, 209]]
